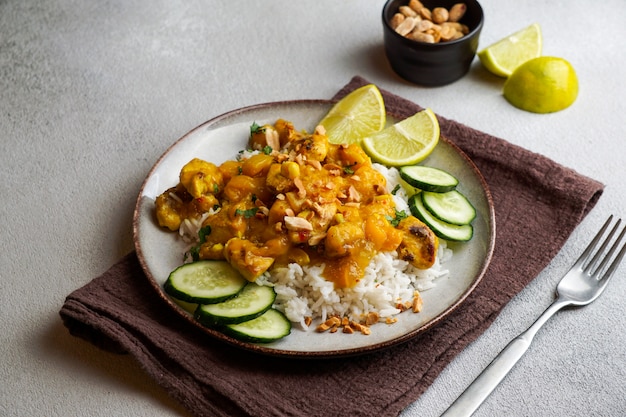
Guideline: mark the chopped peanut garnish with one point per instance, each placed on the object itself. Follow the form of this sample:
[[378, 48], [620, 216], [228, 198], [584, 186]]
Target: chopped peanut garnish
[[300, 186], [403, 306], [314, 163], [380, 189], [297, 223], [372, 318], [271, 137], [355, 325], [353, 194], [331, 322], [316, 239], [322, 327], [417, 302]]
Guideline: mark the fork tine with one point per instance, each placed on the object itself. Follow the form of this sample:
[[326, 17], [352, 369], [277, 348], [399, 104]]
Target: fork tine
[[600, 251], [583, 257], [617, 259]]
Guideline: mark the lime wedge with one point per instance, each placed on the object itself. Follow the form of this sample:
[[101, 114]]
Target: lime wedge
[[404, 143], [359, 114], [504, 56]]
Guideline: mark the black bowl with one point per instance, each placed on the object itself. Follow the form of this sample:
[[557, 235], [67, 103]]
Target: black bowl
[[432, 64]]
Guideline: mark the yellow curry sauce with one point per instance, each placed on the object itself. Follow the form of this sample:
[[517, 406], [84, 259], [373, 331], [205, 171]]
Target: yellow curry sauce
[[300, 199]]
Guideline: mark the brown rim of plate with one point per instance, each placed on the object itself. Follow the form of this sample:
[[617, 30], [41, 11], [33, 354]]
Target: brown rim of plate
[[262, 349]]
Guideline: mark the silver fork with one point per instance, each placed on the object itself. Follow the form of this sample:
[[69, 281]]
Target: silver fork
[[581, 285]]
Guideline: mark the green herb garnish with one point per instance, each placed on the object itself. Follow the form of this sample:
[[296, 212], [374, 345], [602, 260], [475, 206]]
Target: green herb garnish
[[246, 213], [194, 252], [255, 128], [400, 215]]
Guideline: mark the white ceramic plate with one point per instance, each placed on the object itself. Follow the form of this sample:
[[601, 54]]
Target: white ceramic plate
[[220, 139]]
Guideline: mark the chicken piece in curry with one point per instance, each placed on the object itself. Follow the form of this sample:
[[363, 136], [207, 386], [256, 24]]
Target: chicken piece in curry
[[299, 199]]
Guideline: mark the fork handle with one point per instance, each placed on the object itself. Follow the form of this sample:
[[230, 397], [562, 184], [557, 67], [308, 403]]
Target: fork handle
[[492, 375]]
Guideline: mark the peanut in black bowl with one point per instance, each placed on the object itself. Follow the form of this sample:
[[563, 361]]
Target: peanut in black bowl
[[432, 64]]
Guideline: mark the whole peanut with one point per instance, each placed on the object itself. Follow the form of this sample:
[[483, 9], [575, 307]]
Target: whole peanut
[[406, 27], [416, 5], [456, 12], [407, 11], [396, 20], [440, 15], [422, 37]]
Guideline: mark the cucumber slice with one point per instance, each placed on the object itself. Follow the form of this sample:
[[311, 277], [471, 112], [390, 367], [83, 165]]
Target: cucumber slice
[[428, 178], [250, 303], [441, 229], [204, 282], [268, 327], [450, 207]]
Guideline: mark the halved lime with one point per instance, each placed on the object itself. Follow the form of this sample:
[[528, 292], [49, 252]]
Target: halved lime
[[542, 85]]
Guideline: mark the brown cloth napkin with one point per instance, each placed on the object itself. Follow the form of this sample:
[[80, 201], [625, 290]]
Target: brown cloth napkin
[[538, 203]]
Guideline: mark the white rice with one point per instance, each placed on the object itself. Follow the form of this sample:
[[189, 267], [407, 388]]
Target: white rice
[[189, 228], [303, 292]]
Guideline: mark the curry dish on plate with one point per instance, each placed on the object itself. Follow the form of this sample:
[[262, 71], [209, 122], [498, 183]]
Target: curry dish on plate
[[294, 198]]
